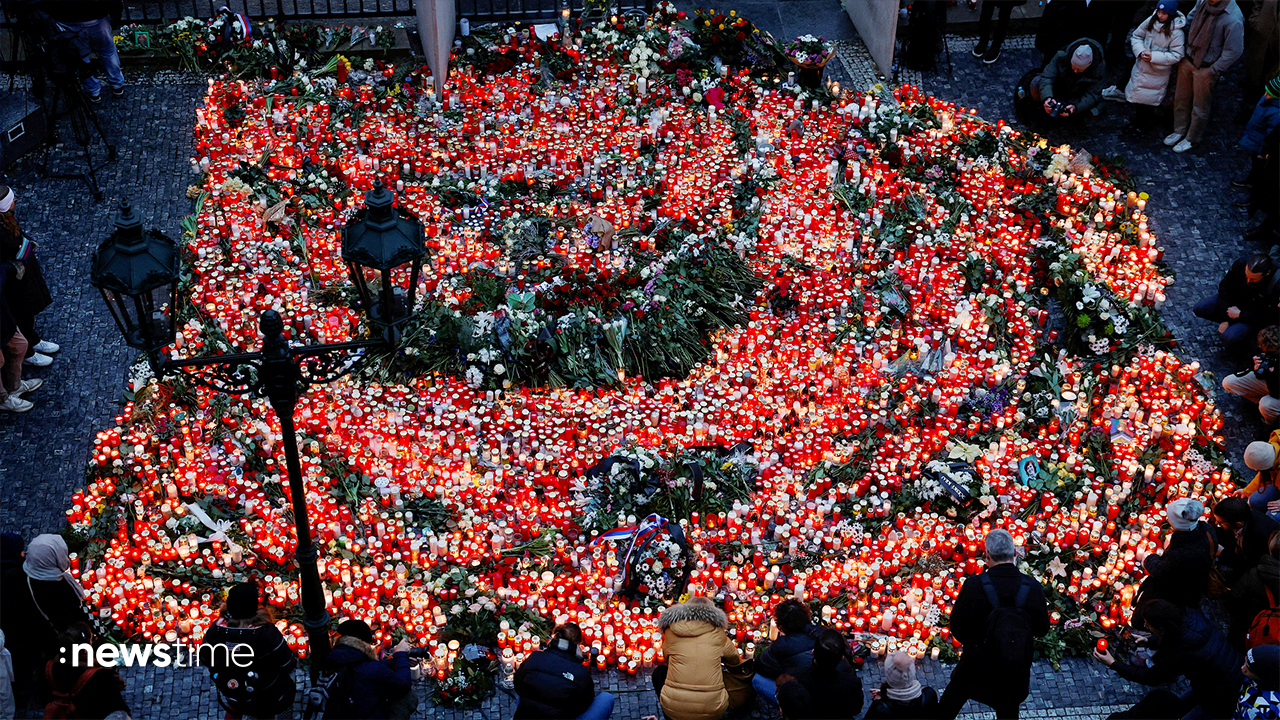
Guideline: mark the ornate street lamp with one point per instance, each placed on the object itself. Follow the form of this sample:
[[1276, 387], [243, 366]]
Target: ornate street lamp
[[378, 241], [137, 272]]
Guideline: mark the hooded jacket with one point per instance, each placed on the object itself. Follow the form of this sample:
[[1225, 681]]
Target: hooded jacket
[[1061, 82], [1264, 477], [374, 682], [553, 683], [1265, 118], [1180, 574], [1200, 653], [694, 643], [1150, 78]]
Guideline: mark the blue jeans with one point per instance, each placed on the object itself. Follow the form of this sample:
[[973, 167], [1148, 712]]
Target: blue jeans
[[767, 689], [1239, 336], [601, 708], [1258, 501], [97, 35]]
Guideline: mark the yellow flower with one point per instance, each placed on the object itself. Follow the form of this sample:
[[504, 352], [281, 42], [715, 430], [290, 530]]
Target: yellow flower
[[708, 22], [721, 26], [733, 13]]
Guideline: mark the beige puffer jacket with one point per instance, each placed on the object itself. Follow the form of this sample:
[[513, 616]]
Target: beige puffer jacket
[[1150, 78], [694, 643]]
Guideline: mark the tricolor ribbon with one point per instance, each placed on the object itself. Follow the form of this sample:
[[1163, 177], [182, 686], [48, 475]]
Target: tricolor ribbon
[[640, 534]]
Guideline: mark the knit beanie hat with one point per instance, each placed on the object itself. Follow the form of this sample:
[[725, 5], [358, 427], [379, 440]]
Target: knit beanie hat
[[357, 629], [1260, 455], [1184, 513], [242, 601], [900, 676], [1264, 661], [1082, 58], [1169, 6], [1272, 87]]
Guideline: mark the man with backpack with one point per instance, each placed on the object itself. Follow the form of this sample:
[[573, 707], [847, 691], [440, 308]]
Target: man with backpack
[[996, 617], [366, 687]]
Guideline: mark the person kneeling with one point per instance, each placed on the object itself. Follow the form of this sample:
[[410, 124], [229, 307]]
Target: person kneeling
[[369, 687], [555, 683], [1070, 86]]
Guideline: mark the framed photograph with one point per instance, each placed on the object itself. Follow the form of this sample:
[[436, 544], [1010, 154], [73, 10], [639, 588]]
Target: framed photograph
[[142, 39]]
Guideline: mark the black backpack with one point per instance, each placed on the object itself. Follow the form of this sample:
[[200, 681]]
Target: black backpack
[[239, 687], [1008, 643], [332, 695]]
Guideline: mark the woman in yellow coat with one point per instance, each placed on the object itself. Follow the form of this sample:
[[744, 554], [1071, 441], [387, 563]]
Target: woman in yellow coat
[[694, 643], [1263, 493]]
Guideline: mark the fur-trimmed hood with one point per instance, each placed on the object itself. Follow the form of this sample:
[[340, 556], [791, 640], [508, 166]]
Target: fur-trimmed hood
[[358, 645], [692, 612]]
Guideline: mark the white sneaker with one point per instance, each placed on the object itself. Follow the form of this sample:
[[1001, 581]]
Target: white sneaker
[[15, 404], [48, 348], [1113, 93], [27, 386], [38, 360], [1172, 139], [1182, 147]]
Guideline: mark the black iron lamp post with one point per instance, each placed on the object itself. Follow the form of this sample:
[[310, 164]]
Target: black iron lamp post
[[137, 272]]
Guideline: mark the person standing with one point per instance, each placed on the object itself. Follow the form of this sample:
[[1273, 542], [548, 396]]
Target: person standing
[[555, 683], [694, 641], [374, 689], [1215, 40], [265, 688], [996, 616], [58, 597], [13, 348], [1261, 47], [1245, 302], [25, 290], [989, 43], [19, 619], [1157, 47], [1186, 644], [91, 20]]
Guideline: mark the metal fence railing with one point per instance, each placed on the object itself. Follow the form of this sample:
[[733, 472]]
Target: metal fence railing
[[147, 11], [478, 11]]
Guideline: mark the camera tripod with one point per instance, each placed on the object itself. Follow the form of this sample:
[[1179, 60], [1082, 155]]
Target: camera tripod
[[82, 119], [48, 56]]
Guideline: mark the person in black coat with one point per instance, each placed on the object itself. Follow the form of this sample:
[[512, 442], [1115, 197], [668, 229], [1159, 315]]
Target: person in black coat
[[555, 682], [1070, 85], [19, 619], [791, 651], [1245, 303], [244, 623], [26, 291], [828, 687], [1188, 645], [57, 597], [974, 677], [1243, 535], [1180, 572], [371, 689]]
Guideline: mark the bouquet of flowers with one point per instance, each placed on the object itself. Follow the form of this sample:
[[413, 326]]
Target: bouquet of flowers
[[808, 51]]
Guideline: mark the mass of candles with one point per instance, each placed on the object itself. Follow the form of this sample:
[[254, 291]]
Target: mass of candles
[[917, 327]]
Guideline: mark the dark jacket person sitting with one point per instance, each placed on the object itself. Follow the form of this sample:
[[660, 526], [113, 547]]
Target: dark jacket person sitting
[[831, 687], [1070, 86], [555, 683]]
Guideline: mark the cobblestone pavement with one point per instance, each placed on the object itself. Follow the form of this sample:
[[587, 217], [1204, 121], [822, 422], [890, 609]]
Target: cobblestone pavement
[[43, 453]]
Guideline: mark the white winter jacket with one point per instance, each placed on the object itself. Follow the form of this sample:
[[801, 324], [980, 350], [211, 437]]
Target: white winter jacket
[[1150, 79]]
